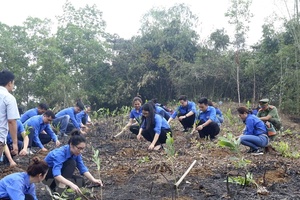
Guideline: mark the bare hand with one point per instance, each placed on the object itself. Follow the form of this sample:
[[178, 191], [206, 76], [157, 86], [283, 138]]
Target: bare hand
[[12, 164], [151, 147], [181, 118], [44, 149], [139, 136], [98, 181], [15, 150], [57, 143], [23, 152], [75, 188], [199, 128]]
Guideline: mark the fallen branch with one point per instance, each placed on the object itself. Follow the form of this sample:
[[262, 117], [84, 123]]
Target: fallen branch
[[184, 175]]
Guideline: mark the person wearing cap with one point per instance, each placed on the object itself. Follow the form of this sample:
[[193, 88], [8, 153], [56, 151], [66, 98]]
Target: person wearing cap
[[185, 113], [42, 108], [268, 113], [63, 117]]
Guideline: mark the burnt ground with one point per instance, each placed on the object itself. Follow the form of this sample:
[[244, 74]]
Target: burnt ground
[[130, 172]]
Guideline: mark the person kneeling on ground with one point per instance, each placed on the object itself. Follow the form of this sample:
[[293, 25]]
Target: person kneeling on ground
[[134, 117], [62, 163], [207, 123], [185, 113], [154, 128], [255, 133], [21, 185]]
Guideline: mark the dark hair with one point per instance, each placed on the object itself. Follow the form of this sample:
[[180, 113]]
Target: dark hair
[[154, 100], [243, 110], [49, 113], [150, 119], [43, 106], [210, 103], [203, 100], [182, 97], [152, 104], [137, 99], [76, 137], [80, 105], [5, 77], [37, 167]]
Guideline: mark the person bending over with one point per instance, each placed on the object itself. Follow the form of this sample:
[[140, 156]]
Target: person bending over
[[154, 127]]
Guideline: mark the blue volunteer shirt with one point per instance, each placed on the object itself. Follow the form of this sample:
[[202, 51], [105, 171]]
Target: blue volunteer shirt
[[57, 157], [80, 115], [37, 123], [16, 185], [162, 112], [160, 123], [29, 113], [191, 106], [136, 114], [71, 112], [254, 126], [210, 113], [218, 112], [20, 129]]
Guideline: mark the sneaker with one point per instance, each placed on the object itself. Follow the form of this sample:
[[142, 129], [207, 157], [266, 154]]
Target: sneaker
[[251, 150], [185, 130], [258, 152]]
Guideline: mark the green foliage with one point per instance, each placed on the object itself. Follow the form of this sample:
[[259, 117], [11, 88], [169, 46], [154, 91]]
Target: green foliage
[[144, 159], [242, 180], [240, 162], [284, 149], [96, 159], [230, 142], [170, 149]]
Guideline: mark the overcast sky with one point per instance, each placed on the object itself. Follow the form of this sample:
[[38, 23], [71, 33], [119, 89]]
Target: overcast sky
[[123, 16]]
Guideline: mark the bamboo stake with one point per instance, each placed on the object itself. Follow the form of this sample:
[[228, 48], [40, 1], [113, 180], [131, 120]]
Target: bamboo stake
[[184, 175]]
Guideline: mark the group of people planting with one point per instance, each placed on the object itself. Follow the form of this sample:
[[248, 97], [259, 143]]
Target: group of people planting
[[34, 129], [150, 121]]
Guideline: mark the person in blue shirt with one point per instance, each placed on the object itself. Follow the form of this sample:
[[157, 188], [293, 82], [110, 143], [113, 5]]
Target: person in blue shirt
[[63, 117], [21, 185], [83, 117], [185, 113], [159, 110], [42, 108], [255, 134], [154, 128], [62, 163], [219, 113], [40, 130], [22, 146], [206, 123], [134, 117]]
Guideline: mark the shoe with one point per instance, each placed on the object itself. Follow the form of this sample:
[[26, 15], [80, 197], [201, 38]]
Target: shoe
[[185, 130], [251, 150], [258, 152]]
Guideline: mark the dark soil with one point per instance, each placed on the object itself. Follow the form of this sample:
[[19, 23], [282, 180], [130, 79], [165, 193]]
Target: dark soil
[[129, 171]]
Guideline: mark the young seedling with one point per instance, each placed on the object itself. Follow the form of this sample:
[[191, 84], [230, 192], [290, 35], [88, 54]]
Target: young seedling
[[96, 159]]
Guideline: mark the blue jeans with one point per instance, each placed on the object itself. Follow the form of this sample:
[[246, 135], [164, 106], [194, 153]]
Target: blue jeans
[[62, 122], [254, 142]]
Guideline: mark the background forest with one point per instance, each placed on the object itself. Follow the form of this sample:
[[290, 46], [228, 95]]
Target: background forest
[[80, 60]]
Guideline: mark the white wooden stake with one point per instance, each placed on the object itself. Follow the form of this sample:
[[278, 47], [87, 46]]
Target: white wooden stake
[[184, 175]]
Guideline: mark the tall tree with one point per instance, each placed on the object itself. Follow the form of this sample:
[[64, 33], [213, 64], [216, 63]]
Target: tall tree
[[239, 15]]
